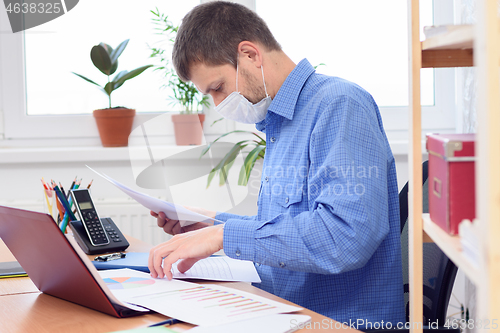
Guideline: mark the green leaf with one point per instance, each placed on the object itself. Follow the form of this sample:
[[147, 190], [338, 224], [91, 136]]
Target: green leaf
[[216, 121], [100, 58], [224, 172], [108, 48], [321, 64], [117, 81], [83, 77], [130, 75], [89, 80], [118, 51], [204, 151], [211, 176], [247, 167], [109, 87], [230, 156], [113, 68]]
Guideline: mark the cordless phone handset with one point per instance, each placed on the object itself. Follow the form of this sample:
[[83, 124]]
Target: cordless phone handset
[[89, 217]]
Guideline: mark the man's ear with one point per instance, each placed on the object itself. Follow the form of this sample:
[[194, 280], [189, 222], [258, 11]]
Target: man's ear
[[248, 51]]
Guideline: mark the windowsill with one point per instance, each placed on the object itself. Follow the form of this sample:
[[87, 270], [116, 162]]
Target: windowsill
[[11, 155]]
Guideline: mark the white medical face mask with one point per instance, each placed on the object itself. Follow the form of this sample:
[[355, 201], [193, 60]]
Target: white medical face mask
[[236, 107]]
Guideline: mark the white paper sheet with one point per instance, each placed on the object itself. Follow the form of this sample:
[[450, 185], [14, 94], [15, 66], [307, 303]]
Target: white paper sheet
[[220, 269], [279, 323], [197, 304], [172, 210], [217, 268]]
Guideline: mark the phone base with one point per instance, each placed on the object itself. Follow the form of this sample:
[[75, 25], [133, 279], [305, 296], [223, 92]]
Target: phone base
[[83, 240]]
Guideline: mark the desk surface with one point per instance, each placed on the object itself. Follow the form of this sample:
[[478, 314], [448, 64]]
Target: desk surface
[[24, 309]]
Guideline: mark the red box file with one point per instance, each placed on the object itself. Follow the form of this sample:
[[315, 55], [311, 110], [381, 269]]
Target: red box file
[[451, 179]]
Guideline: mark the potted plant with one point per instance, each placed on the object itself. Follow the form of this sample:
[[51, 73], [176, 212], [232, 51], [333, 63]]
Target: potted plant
[[188, 124], [257, 152], [114, 124]]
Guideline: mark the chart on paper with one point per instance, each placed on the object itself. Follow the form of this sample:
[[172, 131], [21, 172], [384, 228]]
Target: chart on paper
[[210, 304], [128, 282]]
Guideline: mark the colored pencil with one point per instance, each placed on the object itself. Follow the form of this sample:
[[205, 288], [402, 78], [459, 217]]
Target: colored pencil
[[64, 202]]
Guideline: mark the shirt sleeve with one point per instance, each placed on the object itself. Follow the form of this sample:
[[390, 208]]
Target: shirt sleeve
[[222, 216], [347, 218]]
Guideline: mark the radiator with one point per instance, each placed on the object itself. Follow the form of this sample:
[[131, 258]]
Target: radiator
[[130, 217]]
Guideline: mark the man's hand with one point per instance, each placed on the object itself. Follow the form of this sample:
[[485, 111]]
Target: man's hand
[[173, 227], [190, 246]]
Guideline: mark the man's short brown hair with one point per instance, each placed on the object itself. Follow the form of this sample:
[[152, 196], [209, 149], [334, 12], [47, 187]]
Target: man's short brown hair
[[211, 32]]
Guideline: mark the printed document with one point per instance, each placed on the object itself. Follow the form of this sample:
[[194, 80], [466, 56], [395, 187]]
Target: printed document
[[172, 210], [205, 305]]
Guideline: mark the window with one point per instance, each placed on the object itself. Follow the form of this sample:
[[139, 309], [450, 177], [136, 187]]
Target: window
[[366, 42], [52, 88], [44, 99], [363, 41]]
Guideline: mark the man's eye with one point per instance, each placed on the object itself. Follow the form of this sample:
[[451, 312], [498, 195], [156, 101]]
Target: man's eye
[[219, 88]]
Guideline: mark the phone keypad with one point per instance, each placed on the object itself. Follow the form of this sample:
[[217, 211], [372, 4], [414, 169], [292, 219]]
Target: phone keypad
[[113, 235], [95, 228]]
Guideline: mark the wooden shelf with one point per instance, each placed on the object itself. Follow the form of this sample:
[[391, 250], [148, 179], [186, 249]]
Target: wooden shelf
[[461, 37], [451, 246], [450, 49]]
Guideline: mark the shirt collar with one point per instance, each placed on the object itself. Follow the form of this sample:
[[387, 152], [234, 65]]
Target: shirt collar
[[285, 100]]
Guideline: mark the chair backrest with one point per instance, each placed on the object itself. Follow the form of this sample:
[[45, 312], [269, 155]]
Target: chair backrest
[[438, 272]]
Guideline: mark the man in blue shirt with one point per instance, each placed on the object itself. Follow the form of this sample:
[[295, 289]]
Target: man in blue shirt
[[327, 234]]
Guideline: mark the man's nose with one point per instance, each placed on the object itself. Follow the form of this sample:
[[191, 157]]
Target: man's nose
[[217, 100]]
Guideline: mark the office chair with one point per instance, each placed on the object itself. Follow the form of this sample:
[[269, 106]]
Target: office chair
[[438, 272]]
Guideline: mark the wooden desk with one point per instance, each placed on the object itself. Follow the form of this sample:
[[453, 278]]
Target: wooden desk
[[24, 309]]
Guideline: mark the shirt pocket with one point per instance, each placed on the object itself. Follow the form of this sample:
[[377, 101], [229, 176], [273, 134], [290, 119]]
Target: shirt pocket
[[288, 193]]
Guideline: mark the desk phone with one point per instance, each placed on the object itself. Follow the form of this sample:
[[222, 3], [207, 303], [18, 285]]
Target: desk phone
[[94, 234]]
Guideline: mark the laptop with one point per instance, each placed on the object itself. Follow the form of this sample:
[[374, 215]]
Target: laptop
[[56, 264]]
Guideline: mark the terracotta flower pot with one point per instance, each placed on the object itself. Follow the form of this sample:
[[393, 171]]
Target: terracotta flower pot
[[114, 126], [188, 128]]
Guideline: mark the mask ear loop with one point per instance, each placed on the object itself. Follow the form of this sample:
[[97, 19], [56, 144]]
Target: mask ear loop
[[237, 63], [262, 70]]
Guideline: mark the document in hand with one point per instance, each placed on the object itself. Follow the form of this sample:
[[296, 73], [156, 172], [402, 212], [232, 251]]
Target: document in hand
[[172, 210]]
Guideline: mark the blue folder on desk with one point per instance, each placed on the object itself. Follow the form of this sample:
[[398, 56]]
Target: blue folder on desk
[[133, 260]]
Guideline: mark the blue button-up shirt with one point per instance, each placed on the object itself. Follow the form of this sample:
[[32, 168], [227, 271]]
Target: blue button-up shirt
[[327, 233]]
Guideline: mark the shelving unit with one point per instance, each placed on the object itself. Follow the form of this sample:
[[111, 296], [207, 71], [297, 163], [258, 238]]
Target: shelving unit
[[451, 246], [477, 45]]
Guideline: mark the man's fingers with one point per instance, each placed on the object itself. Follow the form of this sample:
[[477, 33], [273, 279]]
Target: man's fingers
[[177, 229], [169, 226], [167, 264], [161, 219], [194, 226], [157, 263], [151, 266], [186, 264], [153, 214]]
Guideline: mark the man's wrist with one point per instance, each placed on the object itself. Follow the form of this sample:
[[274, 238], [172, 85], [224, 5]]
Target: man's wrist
[[220, 235]]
